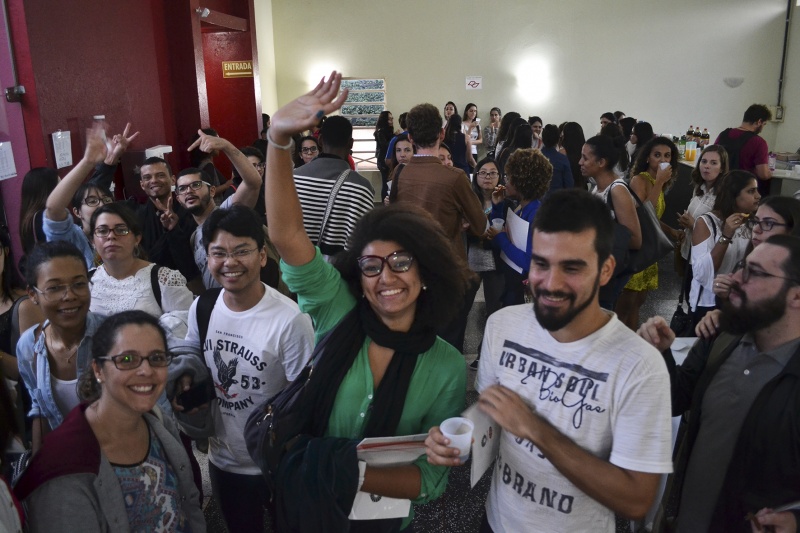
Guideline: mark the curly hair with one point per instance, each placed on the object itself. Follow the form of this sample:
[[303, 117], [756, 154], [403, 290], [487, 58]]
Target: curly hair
[[415, 230], [424, 124], [530, 172], [697, 178], [644, 154]]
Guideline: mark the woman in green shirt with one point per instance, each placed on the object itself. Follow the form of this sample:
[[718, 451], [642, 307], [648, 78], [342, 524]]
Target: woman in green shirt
[[384, 298]]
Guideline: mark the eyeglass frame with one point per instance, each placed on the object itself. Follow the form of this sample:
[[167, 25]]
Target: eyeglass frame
[[113, 358], [236, 254], [754, 221], [309, 150], [66, 287], [120, 230], [385, 261], [191, 186], [493, 174], [744, 267], [105, 200]]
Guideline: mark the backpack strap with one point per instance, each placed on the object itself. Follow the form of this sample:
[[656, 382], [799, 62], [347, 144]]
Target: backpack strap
[[205, 306], [154, 285]]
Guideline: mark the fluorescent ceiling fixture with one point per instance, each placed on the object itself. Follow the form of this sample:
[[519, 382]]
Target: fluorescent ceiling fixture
[[534, 83]]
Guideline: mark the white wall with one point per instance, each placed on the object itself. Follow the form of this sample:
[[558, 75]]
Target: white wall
[[663, 62], [788, 133], [266, 56]]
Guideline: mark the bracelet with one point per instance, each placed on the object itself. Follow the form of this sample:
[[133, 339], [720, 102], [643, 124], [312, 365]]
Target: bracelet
[[286, 148], [724, 240], [362, 472]]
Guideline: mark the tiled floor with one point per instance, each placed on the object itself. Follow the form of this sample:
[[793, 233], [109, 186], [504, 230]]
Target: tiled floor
[[460, 509]]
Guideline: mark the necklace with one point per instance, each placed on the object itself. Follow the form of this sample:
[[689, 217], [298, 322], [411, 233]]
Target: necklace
[[70, 354]]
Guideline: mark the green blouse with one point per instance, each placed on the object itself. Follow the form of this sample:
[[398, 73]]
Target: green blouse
[[438, 385]]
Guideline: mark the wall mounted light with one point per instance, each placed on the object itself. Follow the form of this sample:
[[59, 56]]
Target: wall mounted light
[[733, 81]]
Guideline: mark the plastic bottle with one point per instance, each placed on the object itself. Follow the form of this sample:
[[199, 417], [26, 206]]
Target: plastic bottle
[[705, 138], [690, 134], [682, 146]]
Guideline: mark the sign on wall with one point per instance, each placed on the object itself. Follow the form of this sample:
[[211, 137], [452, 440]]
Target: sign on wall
[[365, 101], [474, 83], [237, 69]]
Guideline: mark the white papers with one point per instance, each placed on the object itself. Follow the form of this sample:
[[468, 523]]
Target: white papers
[[7, 167], [517, 230], [62, 147], [485, 442], [386, 451]]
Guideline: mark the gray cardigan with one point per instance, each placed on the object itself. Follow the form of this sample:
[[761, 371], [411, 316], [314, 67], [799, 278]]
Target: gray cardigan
[[87, 502]]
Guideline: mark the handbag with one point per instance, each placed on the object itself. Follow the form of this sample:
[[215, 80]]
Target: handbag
[[682, 323], [655, 243]]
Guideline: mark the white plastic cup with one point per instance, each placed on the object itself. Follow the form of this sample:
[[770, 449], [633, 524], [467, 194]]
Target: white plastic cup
[[663, 165], [459, 431], [497, 224], [773, 161]]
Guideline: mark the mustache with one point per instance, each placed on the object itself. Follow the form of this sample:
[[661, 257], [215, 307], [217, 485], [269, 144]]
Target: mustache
[[556, 294], [737, 289]]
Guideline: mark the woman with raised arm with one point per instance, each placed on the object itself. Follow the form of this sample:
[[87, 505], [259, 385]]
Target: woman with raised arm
[[385, 370], [116, 463]]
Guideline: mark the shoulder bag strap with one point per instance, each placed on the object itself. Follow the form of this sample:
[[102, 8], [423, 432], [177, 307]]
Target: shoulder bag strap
[[331, 200], [205, 306], [154, 285]]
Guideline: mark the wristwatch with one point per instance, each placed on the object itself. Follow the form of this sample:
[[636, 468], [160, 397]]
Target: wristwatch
[[724, 240]]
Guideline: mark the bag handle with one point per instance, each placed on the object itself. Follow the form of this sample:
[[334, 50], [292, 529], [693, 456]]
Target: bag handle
[[331, 200]]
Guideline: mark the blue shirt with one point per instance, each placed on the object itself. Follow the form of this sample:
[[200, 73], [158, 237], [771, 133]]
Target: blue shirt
[[562, 172]]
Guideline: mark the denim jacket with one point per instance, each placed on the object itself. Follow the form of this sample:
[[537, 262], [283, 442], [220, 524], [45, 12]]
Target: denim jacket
[[37, 380], [67, 230]]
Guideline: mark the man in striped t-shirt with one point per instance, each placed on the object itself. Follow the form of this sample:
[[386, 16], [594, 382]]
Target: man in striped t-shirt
[[315, 182]]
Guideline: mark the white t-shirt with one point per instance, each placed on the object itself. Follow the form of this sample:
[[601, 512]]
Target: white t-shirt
[[609, 392], [252, 356]]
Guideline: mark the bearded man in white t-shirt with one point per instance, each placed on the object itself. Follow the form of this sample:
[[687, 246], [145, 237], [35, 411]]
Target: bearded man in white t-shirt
[[584, 404]]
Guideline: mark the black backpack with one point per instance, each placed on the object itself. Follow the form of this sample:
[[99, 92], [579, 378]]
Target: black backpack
[[734, 146]]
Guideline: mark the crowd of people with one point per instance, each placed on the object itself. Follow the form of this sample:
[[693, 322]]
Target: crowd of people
[[140, 328]]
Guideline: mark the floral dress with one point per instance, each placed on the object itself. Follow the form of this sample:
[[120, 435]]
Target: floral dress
[[647, 279]]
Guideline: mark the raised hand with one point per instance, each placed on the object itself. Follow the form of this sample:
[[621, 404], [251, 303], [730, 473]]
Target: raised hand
[[119, 144], [209, 143], [305, 111], [166, 215]]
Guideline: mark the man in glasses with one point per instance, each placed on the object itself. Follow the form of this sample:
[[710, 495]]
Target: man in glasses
[[741, 450], [254, 342], [197, 196], [329, 176]]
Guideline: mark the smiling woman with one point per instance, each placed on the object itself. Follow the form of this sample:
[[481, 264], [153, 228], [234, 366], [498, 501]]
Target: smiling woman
[[59, 348], [120, 441], [385, 370]]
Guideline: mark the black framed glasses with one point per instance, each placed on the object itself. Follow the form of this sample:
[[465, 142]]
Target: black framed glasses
[[133, 360], [309, 150], [766, 224], [195, 185], [748, 272], [372, 265], [119, 230], [219, 255], [94, 201], [492, 174], [54, 293]]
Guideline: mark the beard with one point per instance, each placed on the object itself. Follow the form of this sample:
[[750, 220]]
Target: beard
[[200, 207], [751, 317], [556, 320]]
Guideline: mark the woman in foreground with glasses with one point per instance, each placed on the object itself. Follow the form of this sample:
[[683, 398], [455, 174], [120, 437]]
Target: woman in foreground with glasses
[[385, 372], [777, 215], [53, 355], [125, 280], [116, 463]]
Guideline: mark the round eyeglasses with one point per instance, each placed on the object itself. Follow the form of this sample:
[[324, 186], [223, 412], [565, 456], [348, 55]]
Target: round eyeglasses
[[372, 265], [94, 201], [195, 185]]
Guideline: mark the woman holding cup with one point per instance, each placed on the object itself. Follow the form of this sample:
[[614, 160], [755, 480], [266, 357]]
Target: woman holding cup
[[385, 370], [654, 172]]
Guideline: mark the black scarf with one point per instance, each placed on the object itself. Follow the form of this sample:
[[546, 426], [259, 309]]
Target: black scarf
[[336, 353]]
